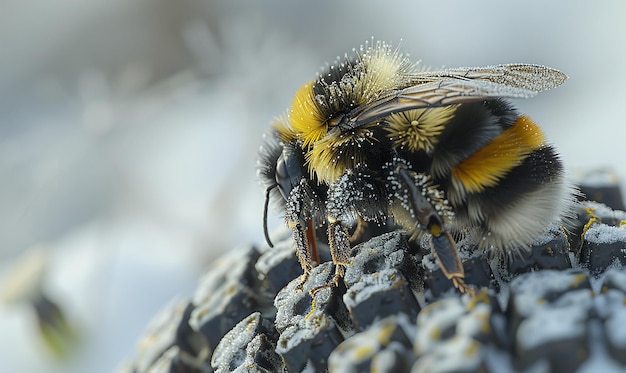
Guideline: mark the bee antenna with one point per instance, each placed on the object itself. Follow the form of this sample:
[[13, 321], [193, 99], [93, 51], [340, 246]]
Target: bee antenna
[[265, 208]]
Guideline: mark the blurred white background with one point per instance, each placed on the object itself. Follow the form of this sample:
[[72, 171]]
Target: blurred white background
[[129, 131]]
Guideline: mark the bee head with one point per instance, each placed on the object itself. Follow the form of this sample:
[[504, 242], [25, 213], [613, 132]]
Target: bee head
[[281, 167]]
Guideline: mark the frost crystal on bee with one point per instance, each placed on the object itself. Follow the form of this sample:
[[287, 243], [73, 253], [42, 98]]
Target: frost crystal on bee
[[375, 137]]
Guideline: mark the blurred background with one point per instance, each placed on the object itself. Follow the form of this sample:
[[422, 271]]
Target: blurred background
[[129, 131]]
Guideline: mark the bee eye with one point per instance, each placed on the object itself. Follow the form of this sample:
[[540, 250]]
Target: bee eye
[[289, 170], [282, 177]]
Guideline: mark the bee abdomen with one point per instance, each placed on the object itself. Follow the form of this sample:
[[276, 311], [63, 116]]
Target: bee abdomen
[[531, 195], [503, 180]]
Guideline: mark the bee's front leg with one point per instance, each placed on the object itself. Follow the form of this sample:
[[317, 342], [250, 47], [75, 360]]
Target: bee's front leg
[[298, 218], [303, 252]]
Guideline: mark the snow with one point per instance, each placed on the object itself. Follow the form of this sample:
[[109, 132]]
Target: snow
[[605, 234]]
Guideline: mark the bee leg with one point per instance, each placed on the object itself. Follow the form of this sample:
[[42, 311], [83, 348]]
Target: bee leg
[[339, 242], [361, 225], [303, 252], [339, 248], [312, 241], [447, 255], [303, 230], [441, 243], [354, 194]]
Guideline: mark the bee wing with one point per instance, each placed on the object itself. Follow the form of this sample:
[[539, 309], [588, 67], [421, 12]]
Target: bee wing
[[534, 78], [460, 85]]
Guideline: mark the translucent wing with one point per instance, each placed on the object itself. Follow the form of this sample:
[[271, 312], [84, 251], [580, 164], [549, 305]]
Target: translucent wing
[[534, 78], [460, 85]]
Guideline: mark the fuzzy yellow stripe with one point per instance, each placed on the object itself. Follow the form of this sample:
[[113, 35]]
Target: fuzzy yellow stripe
[[305, 116], [485, 167]]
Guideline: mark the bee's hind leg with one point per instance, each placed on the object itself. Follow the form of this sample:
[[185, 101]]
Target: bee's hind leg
[[444, 248], [424, 202]]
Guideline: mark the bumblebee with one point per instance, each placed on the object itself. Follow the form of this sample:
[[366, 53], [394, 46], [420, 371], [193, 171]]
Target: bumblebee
[[376, 137]]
